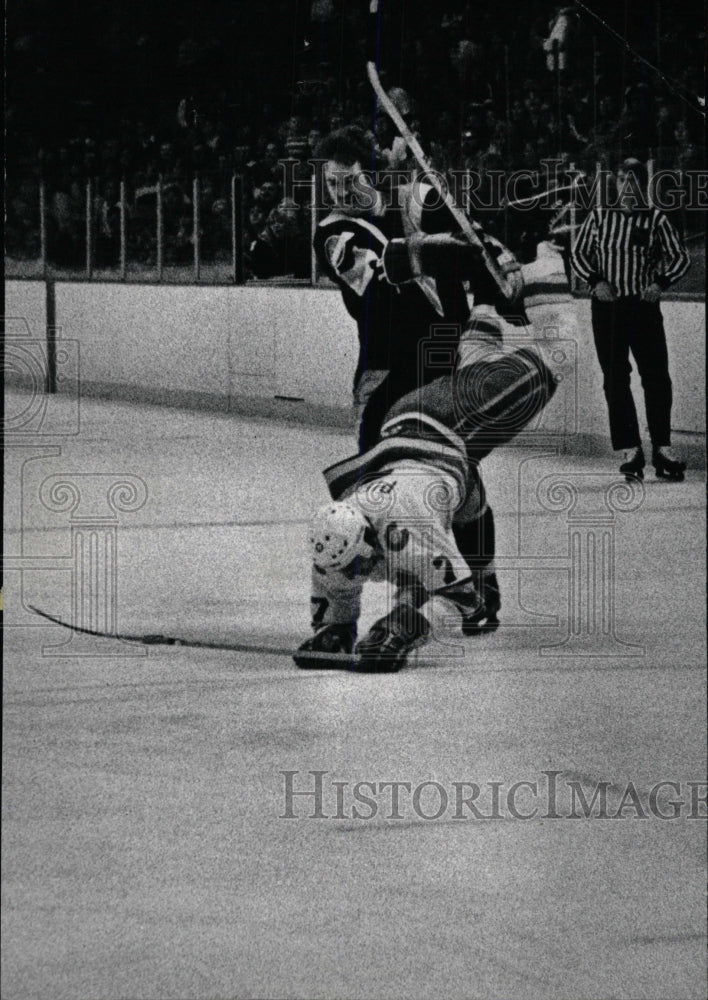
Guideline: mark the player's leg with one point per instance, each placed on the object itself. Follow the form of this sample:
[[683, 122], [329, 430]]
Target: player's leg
[[475, 537], [497, 393], [491, 397], [431, 585], [377, 394], [372, 398], [497, 396]]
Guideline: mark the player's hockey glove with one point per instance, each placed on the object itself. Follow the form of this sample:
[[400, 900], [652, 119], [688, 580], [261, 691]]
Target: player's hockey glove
[[329, 640], [511, 269], [386, 645], [451, 255], [433, 255], [507, 265]]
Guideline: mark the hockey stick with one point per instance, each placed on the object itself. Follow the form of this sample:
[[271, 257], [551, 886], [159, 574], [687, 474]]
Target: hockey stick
[[167, 640], [505, 287], [310, 660]]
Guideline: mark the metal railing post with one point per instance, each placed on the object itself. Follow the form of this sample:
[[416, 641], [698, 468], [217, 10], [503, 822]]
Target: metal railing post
[[123, 233], [89, 228], [196, 226], [160, 229], [43, 227], [237, 228], [650, 179], [314, 275]]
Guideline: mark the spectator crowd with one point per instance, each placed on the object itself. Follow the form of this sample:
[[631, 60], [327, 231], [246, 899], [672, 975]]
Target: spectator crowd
[[483, 95]]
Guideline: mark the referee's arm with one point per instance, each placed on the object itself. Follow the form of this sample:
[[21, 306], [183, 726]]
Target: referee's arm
[[675, 260], [583, 255]]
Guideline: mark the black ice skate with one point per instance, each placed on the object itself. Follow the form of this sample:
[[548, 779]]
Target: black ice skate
[[385, 647], [486, 617], [667, 466], [332, 646], [633, 465]]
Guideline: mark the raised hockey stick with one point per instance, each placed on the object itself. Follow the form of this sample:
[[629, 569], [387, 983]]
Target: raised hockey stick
[[505, 287]]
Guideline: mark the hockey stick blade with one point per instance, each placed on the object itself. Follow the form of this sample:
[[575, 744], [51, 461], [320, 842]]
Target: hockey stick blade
[[156, 639], [432, 177], [319, 660]]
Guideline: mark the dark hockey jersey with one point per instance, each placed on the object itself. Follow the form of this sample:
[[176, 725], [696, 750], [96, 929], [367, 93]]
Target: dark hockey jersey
[[396, 321]]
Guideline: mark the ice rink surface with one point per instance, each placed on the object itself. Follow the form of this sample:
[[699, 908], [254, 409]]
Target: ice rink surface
[[145, 849]]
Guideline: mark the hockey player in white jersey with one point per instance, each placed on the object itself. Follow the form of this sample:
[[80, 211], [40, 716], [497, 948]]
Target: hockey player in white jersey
[[396, 526], [394, 506]]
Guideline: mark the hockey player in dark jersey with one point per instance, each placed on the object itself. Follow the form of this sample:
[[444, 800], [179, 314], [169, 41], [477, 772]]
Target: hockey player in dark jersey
[[393, 509], [394, 251], [396, 254]]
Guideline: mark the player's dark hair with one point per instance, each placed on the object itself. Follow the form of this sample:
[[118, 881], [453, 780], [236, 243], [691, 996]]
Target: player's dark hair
[[347, 145]]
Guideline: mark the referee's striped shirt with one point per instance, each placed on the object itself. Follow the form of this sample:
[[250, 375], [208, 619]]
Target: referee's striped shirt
[[630, 250]]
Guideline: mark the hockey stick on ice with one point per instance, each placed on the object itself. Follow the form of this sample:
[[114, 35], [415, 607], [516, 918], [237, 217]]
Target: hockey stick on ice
[[312, 659], [167, 640], [505, 287]]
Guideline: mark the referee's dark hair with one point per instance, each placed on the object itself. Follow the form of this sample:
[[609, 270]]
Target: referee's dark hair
[[639, 170]]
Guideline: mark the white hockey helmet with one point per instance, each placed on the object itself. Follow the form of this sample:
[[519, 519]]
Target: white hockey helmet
[[337, 535]]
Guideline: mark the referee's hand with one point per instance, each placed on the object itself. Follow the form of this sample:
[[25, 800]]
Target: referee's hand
[[604, 292], [652, 293]]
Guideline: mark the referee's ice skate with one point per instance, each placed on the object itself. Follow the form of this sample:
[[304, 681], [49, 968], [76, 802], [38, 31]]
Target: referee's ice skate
[[633, 463], [667, 465]]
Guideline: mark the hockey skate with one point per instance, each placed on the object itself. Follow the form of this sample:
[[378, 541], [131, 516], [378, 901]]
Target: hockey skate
[[667, 466], [633, 465], [332, 646], [385, 647], [486, 617]]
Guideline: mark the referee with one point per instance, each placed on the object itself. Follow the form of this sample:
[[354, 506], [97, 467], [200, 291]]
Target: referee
[[629, 255]]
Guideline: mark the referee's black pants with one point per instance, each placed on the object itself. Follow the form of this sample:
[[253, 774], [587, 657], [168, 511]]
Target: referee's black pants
[[630, 324]]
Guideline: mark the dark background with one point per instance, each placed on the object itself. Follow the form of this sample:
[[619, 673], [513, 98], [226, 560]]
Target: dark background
[[99, 67]]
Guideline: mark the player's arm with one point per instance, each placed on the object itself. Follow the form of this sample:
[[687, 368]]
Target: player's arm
[[440, 249], [334, 598]]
